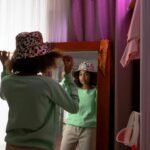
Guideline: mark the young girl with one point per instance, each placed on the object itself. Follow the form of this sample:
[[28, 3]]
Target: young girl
[[80, 128], [32, 98]]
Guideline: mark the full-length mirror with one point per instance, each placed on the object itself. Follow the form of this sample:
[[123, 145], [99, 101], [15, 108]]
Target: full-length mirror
[[85, 119], [97, 53]]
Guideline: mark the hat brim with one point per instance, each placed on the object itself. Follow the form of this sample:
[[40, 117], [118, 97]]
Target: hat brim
[[92, 74], [38, 50], [76, 73]]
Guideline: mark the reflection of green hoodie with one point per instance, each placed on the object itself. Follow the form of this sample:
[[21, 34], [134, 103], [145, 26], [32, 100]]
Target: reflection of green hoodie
[[86, 116], [33, 112]]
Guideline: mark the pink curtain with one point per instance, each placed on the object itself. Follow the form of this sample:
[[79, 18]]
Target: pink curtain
[[92, 20]]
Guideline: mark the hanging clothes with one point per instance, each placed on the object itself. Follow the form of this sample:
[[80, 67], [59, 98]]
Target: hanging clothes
[[130, 135], [132, 49]]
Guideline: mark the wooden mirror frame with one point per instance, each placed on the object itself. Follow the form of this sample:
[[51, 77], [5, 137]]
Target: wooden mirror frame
[[103, 82]]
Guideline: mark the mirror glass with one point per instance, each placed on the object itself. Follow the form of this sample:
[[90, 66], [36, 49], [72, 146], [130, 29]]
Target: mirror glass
[[78, 58]]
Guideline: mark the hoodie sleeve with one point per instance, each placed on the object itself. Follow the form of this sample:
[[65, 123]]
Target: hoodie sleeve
[[65, 94], [4, 73]]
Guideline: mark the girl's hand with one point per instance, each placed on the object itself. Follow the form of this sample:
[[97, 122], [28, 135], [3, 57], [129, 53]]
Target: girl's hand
[[4, 57], [68, 63]]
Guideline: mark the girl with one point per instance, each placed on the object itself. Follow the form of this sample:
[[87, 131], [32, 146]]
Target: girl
[[32, 98], [80, 128]]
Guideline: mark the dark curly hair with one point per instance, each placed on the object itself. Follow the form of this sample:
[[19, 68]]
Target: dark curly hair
[[34, 65], [93, 78]]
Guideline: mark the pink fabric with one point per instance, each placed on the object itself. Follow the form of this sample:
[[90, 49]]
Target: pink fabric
[[124, 136], [92, 20], [132, 50], [129, 136]]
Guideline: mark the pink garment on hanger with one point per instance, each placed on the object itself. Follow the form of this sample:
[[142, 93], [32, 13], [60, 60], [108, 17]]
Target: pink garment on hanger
[[132, 50]]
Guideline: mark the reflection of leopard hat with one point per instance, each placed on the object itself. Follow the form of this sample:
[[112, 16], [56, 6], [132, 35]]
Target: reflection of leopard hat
[[29, 45], [87, 66]]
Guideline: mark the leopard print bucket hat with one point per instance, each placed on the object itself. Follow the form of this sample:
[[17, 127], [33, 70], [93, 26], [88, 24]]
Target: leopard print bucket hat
[[29, 45], [87, 66]]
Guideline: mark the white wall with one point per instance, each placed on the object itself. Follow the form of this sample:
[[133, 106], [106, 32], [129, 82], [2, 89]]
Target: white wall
[[3, 120]]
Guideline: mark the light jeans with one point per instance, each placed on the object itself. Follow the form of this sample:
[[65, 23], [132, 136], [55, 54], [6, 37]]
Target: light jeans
[[83, 138]]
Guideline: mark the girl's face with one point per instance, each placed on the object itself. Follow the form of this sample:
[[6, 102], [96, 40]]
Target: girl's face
[[84, 77]]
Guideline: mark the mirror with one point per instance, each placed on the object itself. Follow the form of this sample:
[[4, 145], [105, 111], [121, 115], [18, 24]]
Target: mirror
[[99, 53], [78, 58]]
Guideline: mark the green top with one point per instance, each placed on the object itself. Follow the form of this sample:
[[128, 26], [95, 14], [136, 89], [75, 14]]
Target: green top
[[33, 112], [86, 116]]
